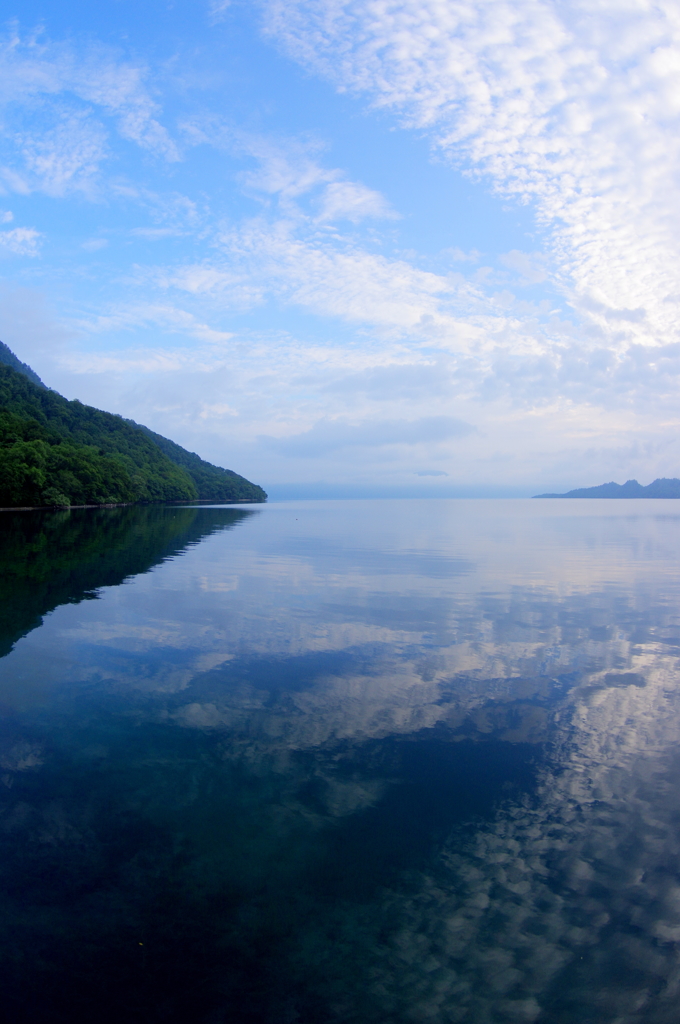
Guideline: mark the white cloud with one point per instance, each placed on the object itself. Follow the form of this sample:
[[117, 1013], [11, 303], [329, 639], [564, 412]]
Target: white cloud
[[218, 8], [20, 241], [155, 234], [138, 361], [572, 106], [340, 280], [350, 283], [530, 267], [172, 213], [60, 93], [66, 157], [216, 410], [94, 244], [13, 182], [462, 257], [347, 200], [286, 169], [166, 316], [431, 340], [289, 169]]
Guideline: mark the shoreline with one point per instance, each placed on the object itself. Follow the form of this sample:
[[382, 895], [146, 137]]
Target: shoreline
[[131, 504]]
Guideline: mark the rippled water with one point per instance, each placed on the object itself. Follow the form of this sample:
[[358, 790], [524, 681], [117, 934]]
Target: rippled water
[[327, 762]]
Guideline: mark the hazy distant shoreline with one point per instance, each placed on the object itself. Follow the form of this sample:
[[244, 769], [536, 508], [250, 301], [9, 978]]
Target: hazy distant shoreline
[[663, 487]]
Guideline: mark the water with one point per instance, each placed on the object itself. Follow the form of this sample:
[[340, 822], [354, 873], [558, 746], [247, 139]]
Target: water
[[329, 762]]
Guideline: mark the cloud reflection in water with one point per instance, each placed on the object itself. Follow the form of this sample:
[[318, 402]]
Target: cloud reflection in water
[[398, 761]]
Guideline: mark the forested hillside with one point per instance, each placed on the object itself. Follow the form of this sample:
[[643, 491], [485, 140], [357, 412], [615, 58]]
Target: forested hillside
[[9, 359], [212, 482], [57, 452]]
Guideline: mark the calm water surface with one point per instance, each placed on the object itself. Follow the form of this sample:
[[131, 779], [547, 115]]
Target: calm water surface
[[328, 762]]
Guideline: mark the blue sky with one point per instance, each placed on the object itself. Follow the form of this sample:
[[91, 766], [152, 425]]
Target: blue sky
[[353, 246]]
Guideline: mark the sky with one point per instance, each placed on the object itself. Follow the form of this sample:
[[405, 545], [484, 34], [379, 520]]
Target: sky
[[354, 247]]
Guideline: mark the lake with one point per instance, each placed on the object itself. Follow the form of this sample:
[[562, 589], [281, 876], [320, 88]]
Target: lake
[[341, 762]]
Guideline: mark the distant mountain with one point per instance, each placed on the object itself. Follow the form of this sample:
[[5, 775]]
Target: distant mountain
[[664, 487], [59, 453]]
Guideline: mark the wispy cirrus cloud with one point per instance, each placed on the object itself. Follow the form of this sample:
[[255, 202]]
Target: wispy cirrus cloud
[[572, 106], [167, 316], [217, 9], [333, 278], [290, 170], [65, 156], [57, 100]]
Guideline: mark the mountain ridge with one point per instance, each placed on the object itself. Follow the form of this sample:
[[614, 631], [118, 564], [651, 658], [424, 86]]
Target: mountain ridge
[[10, 359], [662, 487]]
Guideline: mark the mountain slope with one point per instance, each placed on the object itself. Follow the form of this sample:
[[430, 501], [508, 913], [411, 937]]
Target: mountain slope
[[9, 359], [663, 487], [57, 452], [212, 482]]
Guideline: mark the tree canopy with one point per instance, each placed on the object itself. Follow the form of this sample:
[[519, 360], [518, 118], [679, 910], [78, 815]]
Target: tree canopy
[[59, 452]]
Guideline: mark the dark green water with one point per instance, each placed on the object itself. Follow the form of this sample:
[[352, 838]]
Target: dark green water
[[327, 762]]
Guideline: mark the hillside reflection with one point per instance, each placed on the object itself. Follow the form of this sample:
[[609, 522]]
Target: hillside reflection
[[329, 769], [52, 558]]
